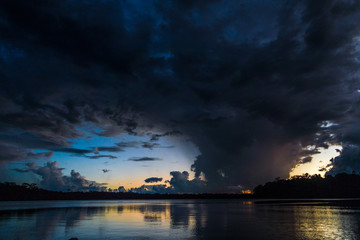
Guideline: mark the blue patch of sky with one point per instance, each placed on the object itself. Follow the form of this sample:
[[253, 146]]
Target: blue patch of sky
[[179, 157]]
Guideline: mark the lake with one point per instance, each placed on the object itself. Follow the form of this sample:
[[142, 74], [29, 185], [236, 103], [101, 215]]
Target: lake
[[176, 219]]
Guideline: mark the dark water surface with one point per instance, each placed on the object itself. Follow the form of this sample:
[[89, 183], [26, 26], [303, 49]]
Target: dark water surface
[[176, 219]]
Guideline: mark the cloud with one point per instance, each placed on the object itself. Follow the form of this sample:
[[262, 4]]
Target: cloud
[[52, 178], [252, 97], [132, 144], [153, 180], [12, 153], [29, 166], [146, 189], [20, 170], [347, 162], [180, 183], [101, 156], [121, 146], [306, 160], [75, 151], [151, 145], [110, 149], [156, 137], [144, 159]]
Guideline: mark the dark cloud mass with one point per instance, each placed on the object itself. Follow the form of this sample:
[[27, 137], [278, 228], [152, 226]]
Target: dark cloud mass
[[252, 84], [12, 153], [347, 162]]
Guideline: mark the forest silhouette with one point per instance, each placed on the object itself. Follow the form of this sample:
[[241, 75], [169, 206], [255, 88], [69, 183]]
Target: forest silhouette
[[311, 186], [304, 186]]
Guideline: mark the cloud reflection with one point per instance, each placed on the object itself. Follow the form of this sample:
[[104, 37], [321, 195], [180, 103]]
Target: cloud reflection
[[182, 219]]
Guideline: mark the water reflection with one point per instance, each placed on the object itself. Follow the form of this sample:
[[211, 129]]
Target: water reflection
[[181, 220]]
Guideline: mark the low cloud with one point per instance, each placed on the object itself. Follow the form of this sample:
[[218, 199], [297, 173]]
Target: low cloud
[[144, 159], [109, 149], [101, 156], [153, 180], [132, 144], [121, 146], [52, 178], [151, 145], [73, 150], [179, 183], [157, 188], [19, 170]]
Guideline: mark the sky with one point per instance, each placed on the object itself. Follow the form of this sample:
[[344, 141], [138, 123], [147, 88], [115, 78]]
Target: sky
[[177, 96]]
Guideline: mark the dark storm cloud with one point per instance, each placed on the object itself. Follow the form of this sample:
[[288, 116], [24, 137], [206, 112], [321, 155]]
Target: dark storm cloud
[[28, 140], [144, 159], [252, 84], [180, 183], [347, 162], [11, 153], [153, 180]]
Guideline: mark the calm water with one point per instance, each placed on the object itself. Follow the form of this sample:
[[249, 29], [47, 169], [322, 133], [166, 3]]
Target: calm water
[[175, 219]]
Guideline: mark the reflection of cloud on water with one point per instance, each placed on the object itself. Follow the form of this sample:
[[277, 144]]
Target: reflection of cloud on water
[[42, 222], [183, 219], [152, 218], [143, 208]]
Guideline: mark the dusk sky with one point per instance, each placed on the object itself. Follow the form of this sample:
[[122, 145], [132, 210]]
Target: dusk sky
[[177, 96]]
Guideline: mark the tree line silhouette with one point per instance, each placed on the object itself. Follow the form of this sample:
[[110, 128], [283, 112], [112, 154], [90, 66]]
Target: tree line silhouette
[[25, 192], [312, 186], [304, 186]]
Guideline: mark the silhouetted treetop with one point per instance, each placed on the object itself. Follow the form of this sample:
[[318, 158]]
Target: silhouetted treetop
[[311, 186]]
